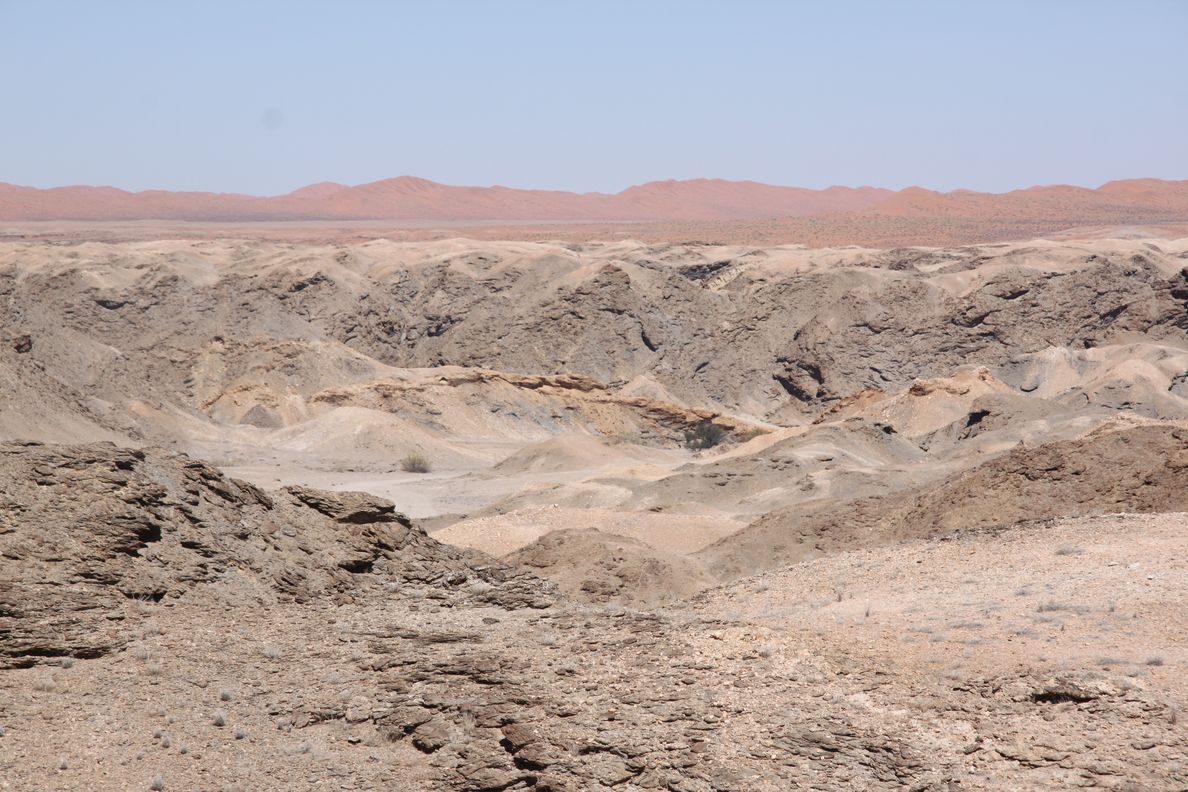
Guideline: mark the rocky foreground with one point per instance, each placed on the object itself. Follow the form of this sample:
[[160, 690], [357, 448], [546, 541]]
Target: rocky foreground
[[164, 626]]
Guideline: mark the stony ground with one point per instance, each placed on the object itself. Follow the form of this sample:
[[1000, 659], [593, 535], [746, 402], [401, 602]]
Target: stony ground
[[1043, 656]]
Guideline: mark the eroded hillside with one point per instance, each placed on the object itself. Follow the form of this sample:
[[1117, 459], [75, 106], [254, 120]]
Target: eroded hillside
[[686, 517]]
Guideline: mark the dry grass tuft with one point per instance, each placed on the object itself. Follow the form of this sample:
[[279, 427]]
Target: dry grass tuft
[[415, 463]]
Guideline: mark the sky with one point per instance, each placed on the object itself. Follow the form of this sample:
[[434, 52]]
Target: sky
[[263, 97]]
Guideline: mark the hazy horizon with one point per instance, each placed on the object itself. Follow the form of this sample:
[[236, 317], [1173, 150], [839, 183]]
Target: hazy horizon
[[264, 98], [591, 192]]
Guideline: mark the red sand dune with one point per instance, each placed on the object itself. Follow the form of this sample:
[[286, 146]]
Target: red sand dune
[[699, 200], [410, 198], [1150, 199]]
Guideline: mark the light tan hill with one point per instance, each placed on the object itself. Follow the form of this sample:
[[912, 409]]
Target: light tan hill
[[501, 533], [590, 565], [576, 452], [1132, 468]]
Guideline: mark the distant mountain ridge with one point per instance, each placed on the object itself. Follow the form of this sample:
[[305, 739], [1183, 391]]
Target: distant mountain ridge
[[413, 199]]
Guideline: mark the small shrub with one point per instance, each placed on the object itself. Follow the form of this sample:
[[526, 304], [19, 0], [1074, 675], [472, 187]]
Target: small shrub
[[220, 718], [1106, 662], [1068, 550], [1155, 660], [66, 662], [415, 463], [225, 695], [157, 783], [63, 764], [1047, 607], [240, 734], [480, 586], [143, 604], [704, 435], [272, 652], [166, 742]]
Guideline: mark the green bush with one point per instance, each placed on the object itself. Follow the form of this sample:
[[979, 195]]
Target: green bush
[[704, 435]]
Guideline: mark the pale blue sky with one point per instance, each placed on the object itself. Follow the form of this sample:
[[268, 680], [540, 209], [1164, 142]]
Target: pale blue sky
[[263, 97]]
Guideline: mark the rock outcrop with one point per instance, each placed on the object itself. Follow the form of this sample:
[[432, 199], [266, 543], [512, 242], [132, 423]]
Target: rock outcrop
[[90, 533]]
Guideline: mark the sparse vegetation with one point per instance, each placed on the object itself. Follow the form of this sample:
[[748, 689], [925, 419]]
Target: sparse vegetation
[[143, 604], [157, 783], [225, 695], [705, 435], [1106, 662], [240, 734], [1154, 660], [66, 662], [220, 719], [415, 462], [1068, 550], [272, 652], [1046, 607]]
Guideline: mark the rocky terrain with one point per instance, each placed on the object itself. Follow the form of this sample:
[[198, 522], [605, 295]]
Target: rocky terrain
[[485, 515]]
